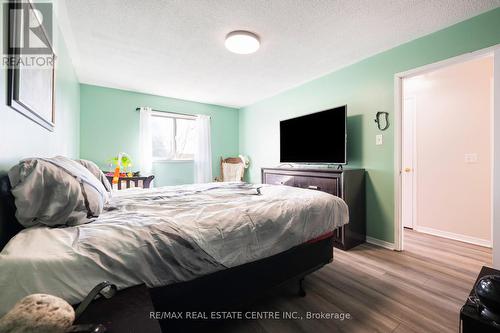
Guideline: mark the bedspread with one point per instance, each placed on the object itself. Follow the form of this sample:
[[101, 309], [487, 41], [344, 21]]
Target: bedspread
[[165, 235]]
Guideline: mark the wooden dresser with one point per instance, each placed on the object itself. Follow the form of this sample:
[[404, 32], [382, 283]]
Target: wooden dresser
[[347, 184]]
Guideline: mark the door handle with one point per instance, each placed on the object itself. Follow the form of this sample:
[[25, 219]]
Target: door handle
[[407, 169]]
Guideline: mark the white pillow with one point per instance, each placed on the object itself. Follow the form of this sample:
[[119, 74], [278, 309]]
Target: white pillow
[[55, 191]]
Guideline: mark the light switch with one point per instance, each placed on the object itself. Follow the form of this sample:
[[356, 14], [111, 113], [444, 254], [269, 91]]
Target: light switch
[[379, 139], [470, 158]]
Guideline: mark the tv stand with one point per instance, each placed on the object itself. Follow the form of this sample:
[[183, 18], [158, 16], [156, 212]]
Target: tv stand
[[348, 184], [311, 166]]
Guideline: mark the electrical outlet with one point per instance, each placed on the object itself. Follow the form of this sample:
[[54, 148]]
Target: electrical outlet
[[379, 139], [470, 158]]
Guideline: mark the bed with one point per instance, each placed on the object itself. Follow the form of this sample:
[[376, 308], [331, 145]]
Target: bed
[[205, 247]]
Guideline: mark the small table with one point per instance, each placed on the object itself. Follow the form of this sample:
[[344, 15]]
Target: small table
[[470, 318], [129, 181], [130, 310]]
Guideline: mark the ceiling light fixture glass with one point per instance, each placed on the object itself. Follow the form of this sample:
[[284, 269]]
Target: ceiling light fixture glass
[[242, 42]]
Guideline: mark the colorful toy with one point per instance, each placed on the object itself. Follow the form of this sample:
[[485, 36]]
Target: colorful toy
[[122, 160], [116, 175]]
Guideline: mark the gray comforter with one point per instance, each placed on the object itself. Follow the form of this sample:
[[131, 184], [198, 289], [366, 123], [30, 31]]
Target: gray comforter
[[165, 235]]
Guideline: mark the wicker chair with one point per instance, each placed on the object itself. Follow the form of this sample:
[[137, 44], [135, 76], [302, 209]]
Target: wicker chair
[[232, 169]]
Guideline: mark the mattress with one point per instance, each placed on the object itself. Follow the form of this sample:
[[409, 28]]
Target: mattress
[[163, 236]]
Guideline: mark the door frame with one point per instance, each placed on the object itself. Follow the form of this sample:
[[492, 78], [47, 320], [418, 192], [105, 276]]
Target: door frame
[[398, 137], [414, 166]]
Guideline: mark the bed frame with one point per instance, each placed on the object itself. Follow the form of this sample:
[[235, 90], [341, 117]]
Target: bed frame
[[9, 226], [226, 290]]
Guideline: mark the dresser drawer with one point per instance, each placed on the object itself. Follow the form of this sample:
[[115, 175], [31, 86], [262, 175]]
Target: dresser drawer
[[328, 185], [277, 179]]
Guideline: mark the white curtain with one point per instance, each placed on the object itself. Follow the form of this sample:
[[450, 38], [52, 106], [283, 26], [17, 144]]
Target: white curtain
[[203, 152], [146, 143]]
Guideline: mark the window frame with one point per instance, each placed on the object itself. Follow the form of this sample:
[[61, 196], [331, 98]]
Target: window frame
[[173, 116]]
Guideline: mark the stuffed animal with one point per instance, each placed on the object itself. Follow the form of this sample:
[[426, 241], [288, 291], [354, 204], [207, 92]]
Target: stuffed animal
[[38, 313]]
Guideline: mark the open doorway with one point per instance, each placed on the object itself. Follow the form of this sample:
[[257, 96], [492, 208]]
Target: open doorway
[[446, 151]]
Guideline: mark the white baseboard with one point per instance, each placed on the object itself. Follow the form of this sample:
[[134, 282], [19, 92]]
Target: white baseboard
[[451, 235], [381, 243]]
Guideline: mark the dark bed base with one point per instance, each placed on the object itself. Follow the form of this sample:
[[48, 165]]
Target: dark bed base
[[233, 288]]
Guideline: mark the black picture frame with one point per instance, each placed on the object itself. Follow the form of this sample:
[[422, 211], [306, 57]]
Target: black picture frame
[[44, 116]]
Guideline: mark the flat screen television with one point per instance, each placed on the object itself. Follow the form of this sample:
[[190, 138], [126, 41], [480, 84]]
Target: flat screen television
[[315, 138]]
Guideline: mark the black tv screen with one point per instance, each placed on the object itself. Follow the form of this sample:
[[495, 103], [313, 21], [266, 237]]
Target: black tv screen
[[315, 138]]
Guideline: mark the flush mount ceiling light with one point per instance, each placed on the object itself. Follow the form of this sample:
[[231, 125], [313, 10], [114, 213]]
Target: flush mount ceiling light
[[242, 42]]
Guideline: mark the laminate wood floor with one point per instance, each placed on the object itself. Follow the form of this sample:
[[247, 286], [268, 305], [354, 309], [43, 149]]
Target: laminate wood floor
[[418, 290]]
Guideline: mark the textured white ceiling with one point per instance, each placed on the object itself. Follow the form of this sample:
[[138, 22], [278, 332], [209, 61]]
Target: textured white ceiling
[[176, 48]]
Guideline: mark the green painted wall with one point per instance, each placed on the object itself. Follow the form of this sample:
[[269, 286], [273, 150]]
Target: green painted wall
[[20, 137], [109, 124], [366, 87]]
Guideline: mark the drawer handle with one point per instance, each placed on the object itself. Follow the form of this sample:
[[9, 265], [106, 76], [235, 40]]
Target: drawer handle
[[313, 187]]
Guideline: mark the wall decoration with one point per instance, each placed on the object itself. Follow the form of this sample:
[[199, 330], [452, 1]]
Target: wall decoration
[[31, 62], [382, 124]]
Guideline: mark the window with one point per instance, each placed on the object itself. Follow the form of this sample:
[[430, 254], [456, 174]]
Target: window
[[173, 137]]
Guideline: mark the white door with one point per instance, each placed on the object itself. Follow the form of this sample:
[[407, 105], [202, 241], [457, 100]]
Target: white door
[[408, 145]]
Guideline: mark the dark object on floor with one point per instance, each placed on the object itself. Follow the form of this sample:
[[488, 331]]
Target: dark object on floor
[[348, 184], [130, 310], [472, 315], [487, 289]]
